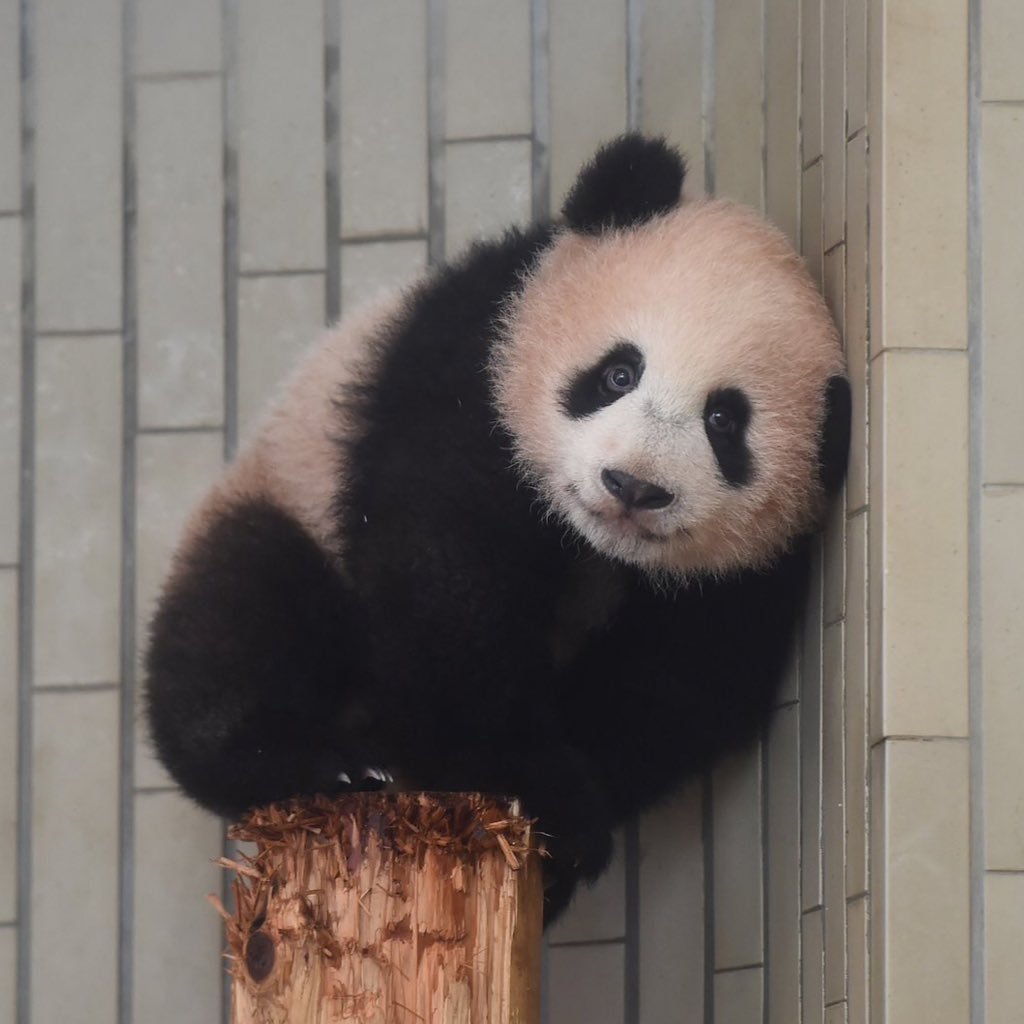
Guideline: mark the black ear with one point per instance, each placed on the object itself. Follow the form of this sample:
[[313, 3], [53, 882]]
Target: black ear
[[630, 180], [835, 437]]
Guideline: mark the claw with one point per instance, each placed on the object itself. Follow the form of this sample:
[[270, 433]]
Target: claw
[[380, 774], [344, 777]]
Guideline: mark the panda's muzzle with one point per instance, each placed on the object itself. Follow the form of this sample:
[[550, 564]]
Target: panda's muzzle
[[633, 492]]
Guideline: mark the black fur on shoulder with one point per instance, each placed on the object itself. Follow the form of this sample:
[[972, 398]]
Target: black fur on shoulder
[[835, 437], [630, 180]]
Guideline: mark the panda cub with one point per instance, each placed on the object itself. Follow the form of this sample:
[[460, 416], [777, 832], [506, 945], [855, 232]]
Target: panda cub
[[539, 526]]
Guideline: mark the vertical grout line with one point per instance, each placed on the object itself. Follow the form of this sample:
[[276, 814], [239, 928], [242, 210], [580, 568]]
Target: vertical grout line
[[540, 81], [435, 130], [230, 127], [332, 153], [634, 64], [975, 355], [129, 428], [26, 510], [707, 112], [708, 840]]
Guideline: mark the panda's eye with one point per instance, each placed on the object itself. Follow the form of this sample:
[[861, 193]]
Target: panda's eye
[[620, 378], [721, 420]]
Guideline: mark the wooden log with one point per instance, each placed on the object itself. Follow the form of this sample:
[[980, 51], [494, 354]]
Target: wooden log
[[381, 908]]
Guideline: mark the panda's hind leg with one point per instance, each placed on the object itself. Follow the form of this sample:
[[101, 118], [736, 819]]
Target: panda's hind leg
[[254, 667]]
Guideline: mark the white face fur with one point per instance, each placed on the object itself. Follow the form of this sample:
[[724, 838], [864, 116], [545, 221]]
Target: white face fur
[[624, 354]]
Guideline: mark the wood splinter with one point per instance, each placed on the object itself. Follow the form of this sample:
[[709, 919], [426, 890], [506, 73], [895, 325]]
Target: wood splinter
[[387, 908]]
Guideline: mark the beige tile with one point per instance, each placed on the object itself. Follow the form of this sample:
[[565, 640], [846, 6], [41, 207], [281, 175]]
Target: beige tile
[[175, 845], [782, 116], [835, 1013], [586, 984], [671, 68], [857, 945], [738, 871], [737, 125], [10, 385], [281, 171], [739, 996], [278, 318], [75, 841], [1002, 598], [811, 222], [173, 471], [370, 268], [671, 910], [10, 105], [833, 107], [926, 907], [810, 743], [77, 510], [811, 28], [855, 671], [1003, 304], [383, 116], [876, 215], [8, 744], [855, 308], [1004, 939], [856, 65], [834, 281], [789, 688], [184, 36], [487, 188], [877, 852], [588, 83], [833, 814], [919, 529], [1002, 28], [180, 158], [782, 898], [487, 68], [924, 216], [77, 166], [598, 911], [812, 983], [8, 975]]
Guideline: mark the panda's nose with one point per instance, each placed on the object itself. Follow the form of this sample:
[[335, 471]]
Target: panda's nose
[[633, 492]]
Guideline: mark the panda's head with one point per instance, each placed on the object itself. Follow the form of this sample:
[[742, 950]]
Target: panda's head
[[670, 376]]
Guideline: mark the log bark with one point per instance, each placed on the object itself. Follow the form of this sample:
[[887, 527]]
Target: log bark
[[379, 908]]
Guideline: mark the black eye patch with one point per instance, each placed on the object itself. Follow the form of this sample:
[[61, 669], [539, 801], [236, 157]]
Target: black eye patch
[[726, 417], [616, 374]]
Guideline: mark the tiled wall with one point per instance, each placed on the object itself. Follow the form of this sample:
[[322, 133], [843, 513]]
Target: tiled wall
[[190, 189]]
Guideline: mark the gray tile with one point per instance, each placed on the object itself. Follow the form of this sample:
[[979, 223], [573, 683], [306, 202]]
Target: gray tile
[[10, 103], [781, 115], [738, 996], [78, 156], [75, 846], [383, 116], [180, 254], [812, 984], [810, 742], [856, 65], [8, 975], [833, 107], [281, 170], [833, 814], [859, 967], [177, 939], [370, 268], [487, 66], [8, 745], [183, 36], [588, 83], [487, 188], [856, 656], [855, 330], [671, 69], [10, 385], [811, 78], [1004, 939], [671, 911], [810, 223], [278, 317], [586, 984], [598, 911], [78, 510], [738, 873], [1002, 28], [738, 128]]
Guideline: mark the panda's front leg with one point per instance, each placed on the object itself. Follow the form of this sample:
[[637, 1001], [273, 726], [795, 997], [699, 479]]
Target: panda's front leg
[[254, 663]]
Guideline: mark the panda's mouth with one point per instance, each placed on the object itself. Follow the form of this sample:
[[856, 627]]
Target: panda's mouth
[[627, 524]]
